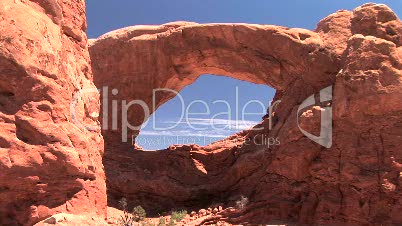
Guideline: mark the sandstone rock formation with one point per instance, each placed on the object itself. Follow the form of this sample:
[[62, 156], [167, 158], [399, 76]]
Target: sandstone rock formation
[[139, 59], [355, 182], [48, 165], [51, 168]]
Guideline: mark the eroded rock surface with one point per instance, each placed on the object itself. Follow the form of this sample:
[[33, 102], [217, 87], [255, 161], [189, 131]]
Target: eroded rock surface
[[356, 181], [48, 164], [51, 168]]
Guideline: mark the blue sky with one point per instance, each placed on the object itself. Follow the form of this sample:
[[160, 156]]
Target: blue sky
[[107, 15], [211, 112]]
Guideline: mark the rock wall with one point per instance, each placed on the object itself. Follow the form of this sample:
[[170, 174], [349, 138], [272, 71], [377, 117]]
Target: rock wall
[[356, 181], [48, 164], [51, 166]]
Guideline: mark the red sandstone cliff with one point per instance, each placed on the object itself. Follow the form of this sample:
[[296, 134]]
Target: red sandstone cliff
[[47, 164], [50, 166]]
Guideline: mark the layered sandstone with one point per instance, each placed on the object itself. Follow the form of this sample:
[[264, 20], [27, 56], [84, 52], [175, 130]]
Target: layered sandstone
[[48, 164], [355, 181]]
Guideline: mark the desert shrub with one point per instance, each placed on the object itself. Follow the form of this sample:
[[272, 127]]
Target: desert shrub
[[242, 203], [126, 219], [178, 215], [139, 213], [123, 203]]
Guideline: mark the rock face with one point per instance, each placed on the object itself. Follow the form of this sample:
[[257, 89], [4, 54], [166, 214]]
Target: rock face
[[48, 164], [355, 182], [51, 149]]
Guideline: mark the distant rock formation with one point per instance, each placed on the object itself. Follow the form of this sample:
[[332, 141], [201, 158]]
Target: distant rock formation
[[51, 168]]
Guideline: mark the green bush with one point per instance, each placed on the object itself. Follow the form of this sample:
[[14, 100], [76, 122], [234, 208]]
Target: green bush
[[179, 215], [139, 214]]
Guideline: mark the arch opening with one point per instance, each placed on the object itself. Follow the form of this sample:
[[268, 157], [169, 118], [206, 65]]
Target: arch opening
[[186, 164], [208, 110]]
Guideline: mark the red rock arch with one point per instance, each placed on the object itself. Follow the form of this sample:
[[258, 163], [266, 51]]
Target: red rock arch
[[358, 53], [138, 59]]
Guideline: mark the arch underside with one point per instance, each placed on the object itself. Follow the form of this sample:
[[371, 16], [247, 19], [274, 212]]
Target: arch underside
[[292, 181], [139, 59]]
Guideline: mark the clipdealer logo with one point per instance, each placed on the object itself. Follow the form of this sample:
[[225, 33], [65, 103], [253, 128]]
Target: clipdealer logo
[[325, 138], [325, 95]]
